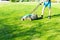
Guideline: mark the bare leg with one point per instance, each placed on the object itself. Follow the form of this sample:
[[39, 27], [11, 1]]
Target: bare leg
[[43, 10], [49, 11], [41, 17]]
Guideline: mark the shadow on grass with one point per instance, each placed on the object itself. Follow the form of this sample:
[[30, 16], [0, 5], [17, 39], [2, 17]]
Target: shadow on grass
[[56, 15], [9, 32]]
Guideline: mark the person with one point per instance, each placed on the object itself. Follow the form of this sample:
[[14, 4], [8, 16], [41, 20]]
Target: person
[[47, 3]]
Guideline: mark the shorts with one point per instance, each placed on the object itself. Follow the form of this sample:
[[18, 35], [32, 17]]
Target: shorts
[[47, 4]]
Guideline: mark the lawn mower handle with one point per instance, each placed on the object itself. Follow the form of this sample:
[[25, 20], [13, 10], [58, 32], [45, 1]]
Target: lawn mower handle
[[36, 7]]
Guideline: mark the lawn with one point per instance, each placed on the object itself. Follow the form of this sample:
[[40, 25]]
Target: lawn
[[12, 28]]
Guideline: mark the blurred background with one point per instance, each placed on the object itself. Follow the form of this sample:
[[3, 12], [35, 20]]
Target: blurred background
[[29, 0]]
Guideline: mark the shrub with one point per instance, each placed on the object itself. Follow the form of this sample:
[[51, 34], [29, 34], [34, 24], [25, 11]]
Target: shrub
[[14, 0]]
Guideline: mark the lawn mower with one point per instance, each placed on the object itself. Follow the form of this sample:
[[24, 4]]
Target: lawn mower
[[31, 16]]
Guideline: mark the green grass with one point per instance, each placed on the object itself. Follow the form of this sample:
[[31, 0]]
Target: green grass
[[12, 28]]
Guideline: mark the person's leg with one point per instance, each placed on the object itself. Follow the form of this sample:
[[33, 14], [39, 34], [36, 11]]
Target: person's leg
[[43, 10], [45, 5], [49, 15], [49, 11], [41, 17]]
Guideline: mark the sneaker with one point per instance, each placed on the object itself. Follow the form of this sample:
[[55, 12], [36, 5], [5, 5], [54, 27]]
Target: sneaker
[[41, 17], [49, 17]]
